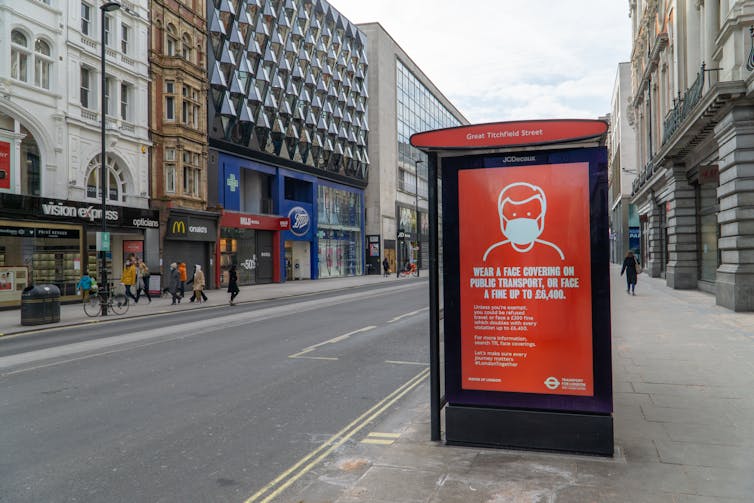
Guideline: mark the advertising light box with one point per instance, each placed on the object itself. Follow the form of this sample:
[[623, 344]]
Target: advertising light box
[[525, 280]]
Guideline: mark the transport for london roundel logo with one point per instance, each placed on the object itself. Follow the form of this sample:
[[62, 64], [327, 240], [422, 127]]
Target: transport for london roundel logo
[[300, 221]]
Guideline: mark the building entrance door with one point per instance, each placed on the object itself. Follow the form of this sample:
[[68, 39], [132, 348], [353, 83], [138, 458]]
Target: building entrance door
[[264, 257]]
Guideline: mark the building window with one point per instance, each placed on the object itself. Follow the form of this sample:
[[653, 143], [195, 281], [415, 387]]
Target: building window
[[19, 55], [125, 91], [186, 48], [169, 100], [188, 179], [190, 107], [108, 24], [191, 173], [85, 86], [125, 34], [115, 182], [108, 92], [172, 41], [86, 19], [170, 170], [42, 64]]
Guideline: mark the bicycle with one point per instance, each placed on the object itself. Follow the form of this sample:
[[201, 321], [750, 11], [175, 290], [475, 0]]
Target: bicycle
[[115, 302], [411, 271]]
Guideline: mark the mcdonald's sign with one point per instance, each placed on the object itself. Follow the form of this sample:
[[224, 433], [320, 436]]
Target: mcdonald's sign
[[178, 227], [191, 228]]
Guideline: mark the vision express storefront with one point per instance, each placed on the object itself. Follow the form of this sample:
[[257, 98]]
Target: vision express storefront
[[51, 241], [190, 237]]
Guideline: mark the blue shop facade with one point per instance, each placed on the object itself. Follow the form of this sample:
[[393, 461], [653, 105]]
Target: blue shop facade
[[325, 238]]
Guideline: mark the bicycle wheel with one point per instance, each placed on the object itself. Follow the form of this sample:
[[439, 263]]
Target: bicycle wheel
[[92, 306], [119, 303]]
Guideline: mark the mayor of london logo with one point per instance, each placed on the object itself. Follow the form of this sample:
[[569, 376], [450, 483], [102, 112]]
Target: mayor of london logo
[[299, 221]]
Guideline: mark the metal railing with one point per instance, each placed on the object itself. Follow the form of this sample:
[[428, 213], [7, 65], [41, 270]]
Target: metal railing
[[683, 106]]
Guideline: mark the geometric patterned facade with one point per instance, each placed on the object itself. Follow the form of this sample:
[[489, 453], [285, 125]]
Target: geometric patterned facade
[[288, 78]]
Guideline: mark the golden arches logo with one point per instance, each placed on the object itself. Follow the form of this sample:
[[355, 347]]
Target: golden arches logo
[[179, 227]]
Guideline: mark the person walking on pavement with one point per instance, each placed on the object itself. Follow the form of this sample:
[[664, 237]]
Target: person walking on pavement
[[198, 282], [142, 280], [233, 284], [84, 286], [385, 267], [174, 280], [630, 267], [184, 277], [128, 278]]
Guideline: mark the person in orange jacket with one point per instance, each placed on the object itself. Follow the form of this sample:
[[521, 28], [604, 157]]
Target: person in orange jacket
[[184, 277]]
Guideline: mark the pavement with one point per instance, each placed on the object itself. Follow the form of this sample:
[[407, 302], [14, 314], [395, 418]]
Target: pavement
[[683, 373], [73, 314]]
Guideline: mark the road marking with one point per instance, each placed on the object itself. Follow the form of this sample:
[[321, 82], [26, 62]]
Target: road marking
[[305, 464], [377, 441], [334, 340], [408, 314], [399, 362], [379, 438]]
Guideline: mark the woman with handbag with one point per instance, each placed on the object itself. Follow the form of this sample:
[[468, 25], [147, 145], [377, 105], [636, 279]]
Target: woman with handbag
[[631, 267]]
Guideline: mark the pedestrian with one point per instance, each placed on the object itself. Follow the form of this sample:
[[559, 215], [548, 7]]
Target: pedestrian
[[385, 266], [184, 276], [199, 283], [128, 278], [174, 280], [142, 280], [233, 284], [84, 286], [631, 268]]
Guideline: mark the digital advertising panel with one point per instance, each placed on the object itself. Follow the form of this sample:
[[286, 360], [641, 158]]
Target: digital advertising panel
[[526, 313], [525, 280]]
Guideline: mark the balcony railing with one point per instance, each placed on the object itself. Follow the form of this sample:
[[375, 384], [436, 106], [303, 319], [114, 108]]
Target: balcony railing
[[683, 106]]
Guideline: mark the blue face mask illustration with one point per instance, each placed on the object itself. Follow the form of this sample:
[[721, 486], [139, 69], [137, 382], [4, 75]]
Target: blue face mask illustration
[[521, 231]]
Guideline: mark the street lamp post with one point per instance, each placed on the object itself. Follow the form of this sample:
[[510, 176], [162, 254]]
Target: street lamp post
[[416, 207], [105, 8]]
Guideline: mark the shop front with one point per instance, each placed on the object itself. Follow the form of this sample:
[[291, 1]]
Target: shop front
[[252, 244], [340, 231], [190, 237], [50, 241]]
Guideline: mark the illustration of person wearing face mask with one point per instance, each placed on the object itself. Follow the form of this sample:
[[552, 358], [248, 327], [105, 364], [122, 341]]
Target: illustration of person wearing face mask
[[522, 207]]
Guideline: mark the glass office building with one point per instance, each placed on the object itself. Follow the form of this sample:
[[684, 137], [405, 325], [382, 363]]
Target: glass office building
[[418, 109]]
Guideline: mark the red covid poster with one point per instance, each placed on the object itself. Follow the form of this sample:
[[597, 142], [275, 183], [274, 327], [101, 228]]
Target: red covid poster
[[4, 165], [526, 302]]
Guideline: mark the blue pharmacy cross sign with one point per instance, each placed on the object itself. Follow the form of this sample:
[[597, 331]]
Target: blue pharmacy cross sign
[[232, 182]]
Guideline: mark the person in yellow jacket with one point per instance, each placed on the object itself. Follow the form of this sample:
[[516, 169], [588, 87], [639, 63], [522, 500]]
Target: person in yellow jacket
[[128, 278]]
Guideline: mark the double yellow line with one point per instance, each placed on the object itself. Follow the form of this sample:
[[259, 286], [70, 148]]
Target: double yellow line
[[305, 464]]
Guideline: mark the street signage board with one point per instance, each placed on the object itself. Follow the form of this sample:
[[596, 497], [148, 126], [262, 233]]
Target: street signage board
[[103, 241]]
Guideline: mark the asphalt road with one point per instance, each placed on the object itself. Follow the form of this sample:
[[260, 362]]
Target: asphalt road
[[208, 405]]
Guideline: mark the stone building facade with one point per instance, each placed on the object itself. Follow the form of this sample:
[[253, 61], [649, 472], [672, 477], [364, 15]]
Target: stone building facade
[[178, 125], [693, 107]]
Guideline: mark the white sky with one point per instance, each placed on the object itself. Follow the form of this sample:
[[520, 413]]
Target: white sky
[[499, 60]]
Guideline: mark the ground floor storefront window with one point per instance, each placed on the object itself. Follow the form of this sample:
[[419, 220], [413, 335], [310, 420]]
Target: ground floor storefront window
[[707, 250], [39, 253], [340, 239], [339, 253]]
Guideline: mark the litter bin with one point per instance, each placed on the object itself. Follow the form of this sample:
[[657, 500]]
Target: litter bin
[[40, 304]]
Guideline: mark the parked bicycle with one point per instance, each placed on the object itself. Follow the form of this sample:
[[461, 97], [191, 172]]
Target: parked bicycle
[[116, 302]]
